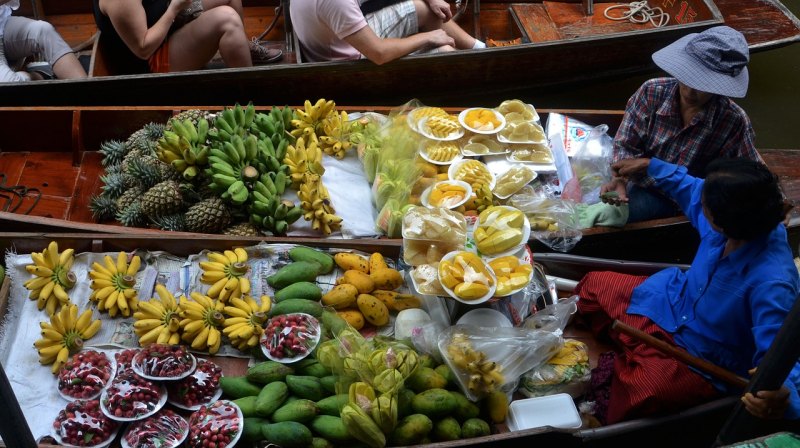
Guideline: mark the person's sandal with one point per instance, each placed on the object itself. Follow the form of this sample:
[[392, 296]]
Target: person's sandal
[[263, 55], [42, 69]]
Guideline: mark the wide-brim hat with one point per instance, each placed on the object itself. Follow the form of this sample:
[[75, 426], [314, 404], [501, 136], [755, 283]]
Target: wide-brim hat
[[714, 61]]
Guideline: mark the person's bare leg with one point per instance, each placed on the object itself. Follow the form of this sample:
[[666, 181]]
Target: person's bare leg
[[463, 40], [235, 4], [192, 46], [428, 21], [68, 67]]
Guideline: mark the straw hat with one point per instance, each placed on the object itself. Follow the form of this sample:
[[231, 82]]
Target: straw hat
[[714, 61]]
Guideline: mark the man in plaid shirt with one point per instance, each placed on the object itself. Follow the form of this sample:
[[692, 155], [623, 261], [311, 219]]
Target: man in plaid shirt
[[688, 119]]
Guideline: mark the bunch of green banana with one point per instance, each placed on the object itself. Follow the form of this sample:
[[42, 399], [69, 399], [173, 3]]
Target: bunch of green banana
[[232, 121], [315, 200], [185, 147], [309, 118], [274, 126], [235, 164], [303, 158], [267, 210], [52, 277], [335, 140]]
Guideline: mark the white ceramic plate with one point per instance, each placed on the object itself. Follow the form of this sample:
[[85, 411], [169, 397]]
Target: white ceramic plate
[[423, 198], [179, 438], [424, 154], [526, 234], [239, 416], [421, 128], [462, 118], [455, 167], [412, 119], [523, 259], [214, 398], [162, 400], [113, 362], [449, 257], [101, 445], [312, 322], [136, 364]]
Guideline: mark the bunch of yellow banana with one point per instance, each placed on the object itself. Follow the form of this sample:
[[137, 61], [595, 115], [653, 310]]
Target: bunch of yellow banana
[[303, 158], [315, 201], [245, 323], [335, 139], [226, 273], [113, 284], [64, 335], [484, 376], [201, 322], [52, 277], [157, 320], [309, 118]]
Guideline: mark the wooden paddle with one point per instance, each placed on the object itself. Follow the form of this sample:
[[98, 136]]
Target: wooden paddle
[[681, 355]]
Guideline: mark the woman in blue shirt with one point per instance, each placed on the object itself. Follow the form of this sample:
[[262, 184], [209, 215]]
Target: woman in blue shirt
[[726, 308]]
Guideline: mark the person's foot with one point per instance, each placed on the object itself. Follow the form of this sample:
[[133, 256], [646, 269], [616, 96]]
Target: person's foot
[[263, 55], [39, 70]]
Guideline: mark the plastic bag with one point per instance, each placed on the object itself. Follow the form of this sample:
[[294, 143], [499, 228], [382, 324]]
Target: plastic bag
[[591, 167], [570, 132], [554, 222], [488, 359], [566, 372], [166, 429], [430, 233], [81, 423], [197, 389], [85, 375], [553, 317]]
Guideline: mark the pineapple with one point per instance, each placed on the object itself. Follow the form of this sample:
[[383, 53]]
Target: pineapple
[[162, 199], [103, 207], [242, 229], [144, 139], [113, 185], [175, 222], [208, 216], [132, 216], [146, 170], [113, 152], [194, 115], [128, 197]]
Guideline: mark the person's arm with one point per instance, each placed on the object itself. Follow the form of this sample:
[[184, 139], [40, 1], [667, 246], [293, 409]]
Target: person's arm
[[381, 51], [441, 9], [130, 22]]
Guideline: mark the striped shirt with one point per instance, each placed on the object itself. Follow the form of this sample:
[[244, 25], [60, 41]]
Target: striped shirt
[[653, 127]]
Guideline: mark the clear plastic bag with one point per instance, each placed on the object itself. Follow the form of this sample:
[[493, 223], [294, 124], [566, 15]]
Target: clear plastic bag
[[554, 317], [591, 167], [554, 222], [488, 359], [566, 372]]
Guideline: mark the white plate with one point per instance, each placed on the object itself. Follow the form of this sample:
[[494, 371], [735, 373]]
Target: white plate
[[124, 442], [450, 256], [484, 317], [526, 234], [462, 118], [239, 416], [484, 139], [527, 106], [424, 154], [499, 196], [101, 445], [452, 136], [542, 140], [412, 119], [312, 321], [521, 256], [455, 166], [113, 361], [214, 398], [423, 198], [162, 400], [557, 410], [137, 367]]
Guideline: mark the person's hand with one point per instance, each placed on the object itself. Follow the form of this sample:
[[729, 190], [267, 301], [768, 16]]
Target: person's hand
[[767, 404], [179, 5], [441, 9], [614, 192], [439, 38], [630, 167]]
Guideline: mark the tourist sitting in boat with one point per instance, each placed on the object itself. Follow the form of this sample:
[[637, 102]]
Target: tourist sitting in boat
[[378, 30], [162, 36], [726, 308], [688, 119], [22, 38]]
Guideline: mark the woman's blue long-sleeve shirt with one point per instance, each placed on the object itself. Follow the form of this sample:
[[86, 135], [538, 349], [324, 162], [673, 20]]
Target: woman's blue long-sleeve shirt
[[725, 310]]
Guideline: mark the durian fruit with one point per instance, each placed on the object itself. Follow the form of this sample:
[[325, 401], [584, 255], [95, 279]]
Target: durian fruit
[[174, 223], [242, 229], [113, 152], [207, 216], [103, 207], [164, 198]]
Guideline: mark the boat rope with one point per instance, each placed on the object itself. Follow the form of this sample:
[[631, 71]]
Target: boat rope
[[460, 8], [271, 25], [14, 192], [640, 12]]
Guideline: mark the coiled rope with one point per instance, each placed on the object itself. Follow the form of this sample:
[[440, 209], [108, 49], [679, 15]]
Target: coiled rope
[[640, 12]]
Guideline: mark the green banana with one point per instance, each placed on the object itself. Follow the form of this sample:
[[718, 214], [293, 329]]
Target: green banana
[[202, 130], [251, 147], [294, 214], [261, 197], [224, 180], [249, 115], [238, 115], [223, 168], [281, 211], [233, 154], [269, 184], [190, 172], [280, 227], [280, 182]]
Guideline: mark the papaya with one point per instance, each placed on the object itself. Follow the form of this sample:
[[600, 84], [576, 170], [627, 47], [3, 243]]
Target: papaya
[[238, 387], [314, 369], [298, 271], [331, 428], [300, 410], [328, 383], [271, 397], [333, 405], [465, 409], [475, 427], [347, 261], [299, 290], [247, 405], [303, 253], [305, 386], [446, 429], [296, 306], [266, 372], [435, 403], [287, 434], [425, 378], [251, 429], [411, 430]]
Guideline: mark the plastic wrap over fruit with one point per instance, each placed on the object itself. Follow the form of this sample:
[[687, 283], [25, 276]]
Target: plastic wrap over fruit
[[85, 375], [166, 429], [361, 426], [384, 412], [82, 423], [163, 361]]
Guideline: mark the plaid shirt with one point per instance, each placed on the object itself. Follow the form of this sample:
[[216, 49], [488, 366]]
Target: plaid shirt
[[653, 127]]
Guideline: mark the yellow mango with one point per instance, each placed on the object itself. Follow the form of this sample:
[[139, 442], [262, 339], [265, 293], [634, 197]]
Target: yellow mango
[[386, 278], [373, 310], [353, 317], [341, 296], [348, 261], [406, 301], [471, 291], [360, 280], [376, 262]]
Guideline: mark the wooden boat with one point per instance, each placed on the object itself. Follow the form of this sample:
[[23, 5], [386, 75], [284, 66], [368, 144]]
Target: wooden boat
[[64, 165], [559, 44], [702, 422]]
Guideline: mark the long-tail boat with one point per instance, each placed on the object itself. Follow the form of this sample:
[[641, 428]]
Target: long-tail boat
[[540, 44], [697, 426], [57, 171]]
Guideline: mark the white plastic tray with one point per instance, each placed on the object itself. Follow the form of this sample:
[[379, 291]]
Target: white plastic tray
[[556, 410]]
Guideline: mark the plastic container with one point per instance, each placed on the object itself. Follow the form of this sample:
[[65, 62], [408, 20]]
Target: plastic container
[[538, 153], [290, 337], [423, 128], [462, 118], [455, 172], [522, 111], [557, 411], [522, 132], [425, 279], [489, 142], [484, 317], [525, 229], [486, 271], [448, 203], [430, 233], [513, 180]]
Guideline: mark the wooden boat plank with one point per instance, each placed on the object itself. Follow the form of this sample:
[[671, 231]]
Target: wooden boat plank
[[764, 22], [88, 185], [534, 22]]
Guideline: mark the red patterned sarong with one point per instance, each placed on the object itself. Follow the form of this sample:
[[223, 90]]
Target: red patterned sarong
[[646, 381]]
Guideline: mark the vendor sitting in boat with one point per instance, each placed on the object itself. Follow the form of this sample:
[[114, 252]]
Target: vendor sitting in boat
[[688, 119], [379, 30], [726, 308]]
